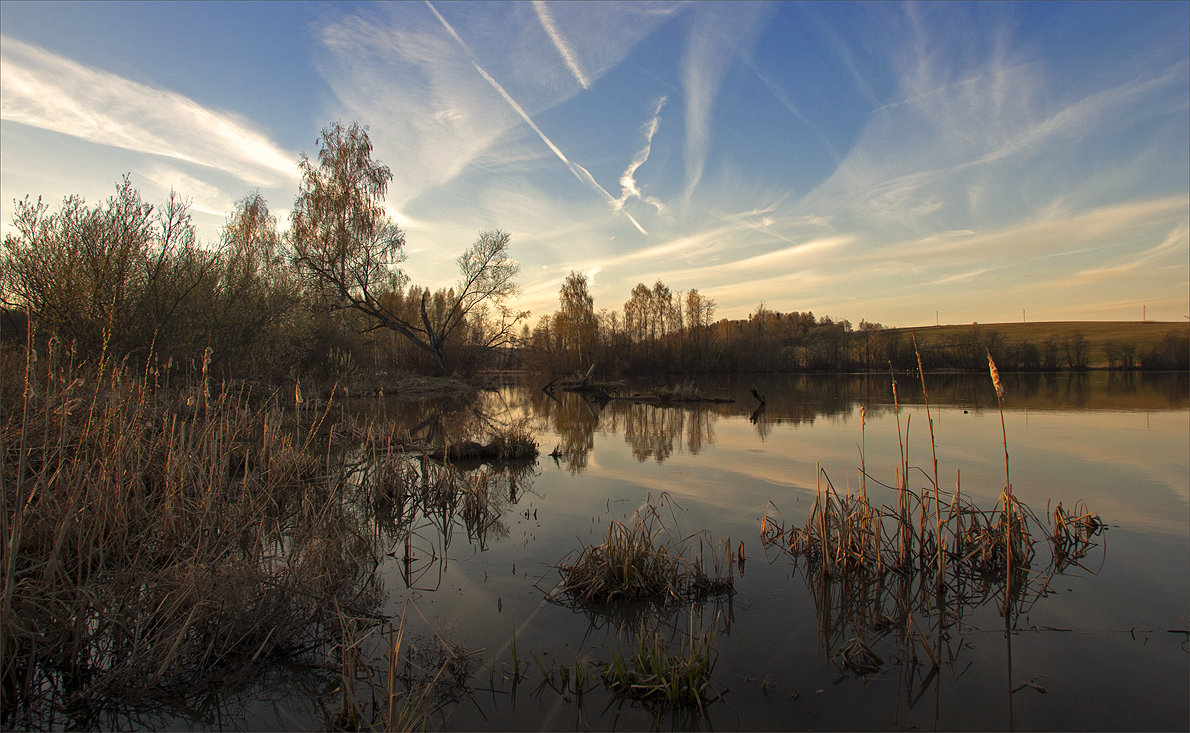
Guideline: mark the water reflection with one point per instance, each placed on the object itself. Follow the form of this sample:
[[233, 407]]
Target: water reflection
[[656, 432], [418, 503]]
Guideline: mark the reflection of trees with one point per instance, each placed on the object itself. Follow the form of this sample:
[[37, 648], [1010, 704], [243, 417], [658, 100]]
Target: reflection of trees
[[699, 429], [572, 416], [575, 420], [652, 430], [418, 503]]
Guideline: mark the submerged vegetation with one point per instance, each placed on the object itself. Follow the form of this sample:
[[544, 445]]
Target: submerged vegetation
[[655, 672]]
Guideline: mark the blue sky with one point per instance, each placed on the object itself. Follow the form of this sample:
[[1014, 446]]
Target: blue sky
[[880, 161]]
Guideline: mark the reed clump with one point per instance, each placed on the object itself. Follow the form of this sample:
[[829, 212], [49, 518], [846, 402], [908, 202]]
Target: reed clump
[[849, 533], [642, 562], [657, 672], [1073, 534], [686, 391], [913, 567], [155, 542]]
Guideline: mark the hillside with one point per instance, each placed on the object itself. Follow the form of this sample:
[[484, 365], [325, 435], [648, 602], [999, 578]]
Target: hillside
[[1100, 335]]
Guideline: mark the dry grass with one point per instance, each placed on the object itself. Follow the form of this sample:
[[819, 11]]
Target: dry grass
[[913, 568], [155, 544], [642, 563]]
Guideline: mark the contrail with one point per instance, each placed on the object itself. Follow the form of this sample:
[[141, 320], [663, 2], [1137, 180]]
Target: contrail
[[579, 172], [567, 53], [628, 187]]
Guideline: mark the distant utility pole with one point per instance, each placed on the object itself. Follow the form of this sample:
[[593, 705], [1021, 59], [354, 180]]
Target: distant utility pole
[[935, 318], [1143, 313], [1022, 315]]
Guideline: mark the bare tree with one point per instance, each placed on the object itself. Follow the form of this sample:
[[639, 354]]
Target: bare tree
[[116, 273], [349, 249]]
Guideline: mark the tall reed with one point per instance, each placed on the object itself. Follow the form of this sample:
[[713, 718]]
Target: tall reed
[[155, 541], [868, 564]]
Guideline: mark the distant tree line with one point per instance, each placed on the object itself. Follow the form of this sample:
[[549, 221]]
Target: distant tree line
[[661, 330], [327, 297]]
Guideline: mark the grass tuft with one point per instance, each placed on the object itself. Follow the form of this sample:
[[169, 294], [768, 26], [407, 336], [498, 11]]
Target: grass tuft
[[641, 562]]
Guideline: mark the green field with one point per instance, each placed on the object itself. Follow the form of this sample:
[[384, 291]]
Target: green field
[[1143, 335]]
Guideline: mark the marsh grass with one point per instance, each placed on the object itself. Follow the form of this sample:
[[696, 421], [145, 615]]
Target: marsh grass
[[643, 563], [668, 673], [912, 569], [158, 543], [686, 391], [418, 680]]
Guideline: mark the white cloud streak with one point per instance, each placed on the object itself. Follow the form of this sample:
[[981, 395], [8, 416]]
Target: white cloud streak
[[48, 91], [628, 186], [564, 48], [1177, 240], [716, 36], [579, 171]]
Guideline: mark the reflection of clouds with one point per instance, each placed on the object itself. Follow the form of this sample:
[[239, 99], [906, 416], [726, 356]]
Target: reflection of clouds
[[1117, 443]]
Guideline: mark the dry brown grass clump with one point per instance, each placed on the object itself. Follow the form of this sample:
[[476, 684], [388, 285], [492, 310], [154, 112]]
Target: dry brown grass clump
[[641, 563]]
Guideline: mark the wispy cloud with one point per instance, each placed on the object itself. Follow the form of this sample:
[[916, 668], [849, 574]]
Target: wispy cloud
[[564, 49], [717, 35], [203, 196], [628, 186], [445, 88], [933, 159], [1040, 238], [1178, 240], [45, 90]]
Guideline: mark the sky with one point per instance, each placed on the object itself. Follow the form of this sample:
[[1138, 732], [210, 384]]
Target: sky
[[897, 163]]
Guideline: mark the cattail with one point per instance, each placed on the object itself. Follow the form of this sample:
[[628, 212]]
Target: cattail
[[297, 392], [995, 376], [206, 389]]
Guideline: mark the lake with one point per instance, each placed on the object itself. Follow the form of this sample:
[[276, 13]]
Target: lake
[[1097, 642]]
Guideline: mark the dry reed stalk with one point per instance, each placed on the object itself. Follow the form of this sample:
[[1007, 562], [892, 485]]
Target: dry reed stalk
[[934, 461], [1007, 495], [151, 548]]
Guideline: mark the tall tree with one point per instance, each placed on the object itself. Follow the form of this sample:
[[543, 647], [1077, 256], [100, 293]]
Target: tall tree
[[576, 318], [350, 249], [259, 318]]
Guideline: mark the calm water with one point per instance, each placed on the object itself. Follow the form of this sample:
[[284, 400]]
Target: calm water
[[1104, 648]]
